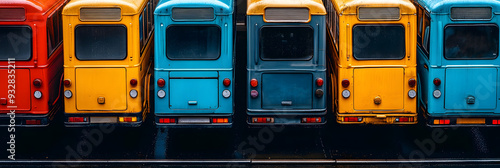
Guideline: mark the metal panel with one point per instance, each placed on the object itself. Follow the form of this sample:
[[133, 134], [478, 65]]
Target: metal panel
[[378, 85], [390, 13], [287, 15], [469, 13], [292, 91], [100, 14], [462, 84], [194, 94], [193, 14]]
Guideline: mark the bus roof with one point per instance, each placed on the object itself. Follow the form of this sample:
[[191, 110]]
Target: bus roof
[[128, 7], [224, 6], [351, 6], [444, 6], [257, 7], [31, 6]]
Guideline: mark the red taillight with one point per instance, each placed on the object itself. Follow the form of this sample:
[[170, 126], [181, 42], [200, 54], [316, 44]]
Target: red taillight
[[311, 120], [167, 120], [33, 122], [254, 82], [405, 119], [133, 82], [77, 119], [37, 82], [67, 82], [226, 82], [263, 120], [161, 82], [319, 82], [353, 119], [412, 82], [441, 121], [345, 83], [220, 120], [437, 81], [495, 122]]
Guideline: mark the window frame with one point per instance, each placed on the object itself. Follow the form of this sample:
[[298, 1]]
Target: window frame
[[195, 25], [31, 41], [105, 25], [286, 26], [470, 25], [371, 59]]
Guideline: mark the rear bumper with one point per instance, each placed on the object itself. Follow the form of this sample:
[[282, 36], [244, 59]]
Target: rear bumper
[[90, 123], [196, 120], [463, 121], [20, 119], [380, 119], [286, 117]]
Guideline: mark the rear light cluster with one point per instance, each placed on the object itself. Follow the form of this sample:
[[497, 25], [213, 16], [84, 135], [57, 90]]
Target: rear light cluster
[[495, 122], [226, 93], [127, 119], [437, 92], [161, 93], [319, 92], [262, 120], [311, 120], [37, 83], [412, 93], [133, 82], [220, 120], [77, 119], [346, 93], [133, 93], [167, 120], [33, 122], [405, 119], [353, 119], [441, 121], [254, 83], [67, 93]]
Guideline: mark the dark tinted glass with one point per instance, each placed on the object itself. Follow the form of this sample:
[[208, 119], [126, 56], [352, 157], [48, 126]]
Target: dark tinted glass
[[15, 42], [101, 42], [193, 42], [372, 42], [471, 42], [286, 43]]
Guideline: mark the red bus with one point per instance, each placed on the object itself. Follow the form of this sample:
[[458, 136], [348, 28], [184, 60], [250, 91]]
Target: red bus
[[31, 61]]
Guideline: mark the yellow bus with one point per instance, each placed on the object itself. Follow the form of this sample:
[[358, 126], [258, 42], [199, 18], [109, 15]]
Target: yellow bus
[[372, 60], [108, 45]]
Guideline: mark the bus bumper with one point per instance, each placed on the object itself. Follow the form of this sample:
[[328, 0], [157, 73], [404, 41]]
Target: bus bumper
[[462, 121], [97, 119], [381, 119], [315, 117], [28, 120], [194, 120]]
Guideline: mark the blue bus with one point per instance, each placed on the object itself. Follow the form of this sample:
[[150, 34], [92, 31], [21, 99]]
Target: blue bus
[[193, 64], [458, 62], [286, 63]]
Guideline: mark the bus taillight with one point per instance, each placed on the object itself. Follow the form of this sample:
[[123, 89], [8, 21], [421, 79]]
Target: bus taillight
[[167, 120], [345, 83], [353, 119], [161, 82], [37, 82], [441, 121], [405, 119], [311, 120], [226, 82], [254, 82], [263, 120], [437, 81], [133, 82], [67, 82], [319, 82], [77, 119], [411, 82], [127, 119], [33, 122], [495, 122], [220, 120]]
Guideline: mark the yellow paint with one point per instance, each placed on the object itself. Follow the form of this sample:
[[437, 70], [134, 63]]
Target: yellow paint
[[386, 84], [471, 121], [109, 79], [387, 79]]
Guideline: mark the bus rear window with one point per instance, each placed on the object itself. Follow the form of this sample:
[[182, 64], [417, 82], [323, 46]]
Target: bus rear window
[[101, 42], [378, 42], [471, 42], [15, 42], [286, 43], [193, 42]]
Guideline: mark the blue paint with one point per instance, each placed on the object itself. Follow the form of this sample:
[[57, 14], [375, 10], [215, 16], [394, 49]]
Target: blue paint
[[194, 86], [286, 87], [461, 79]]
